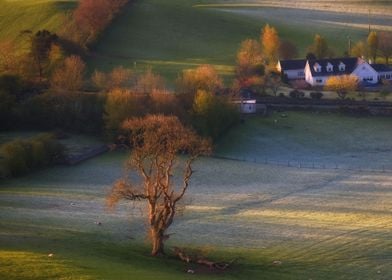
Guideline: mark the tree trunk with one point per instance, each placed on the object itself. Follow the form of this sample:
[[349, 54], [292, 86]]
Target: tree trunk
[[157, 242]]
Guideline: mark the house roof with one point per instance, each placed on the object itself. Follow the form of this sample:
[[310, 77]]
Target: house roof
[[292, 64], [381, 67], [350, 64]]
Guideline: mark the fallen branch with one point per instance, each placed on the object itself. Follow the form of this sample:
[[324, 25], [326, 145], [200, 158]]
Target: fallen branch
[[201, 260]]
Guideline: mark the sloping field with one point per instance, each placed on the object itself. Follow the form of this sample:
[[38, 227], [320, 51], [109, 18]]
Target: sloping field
[[281, 222], [16, 16], [170, 36], [314, 224], [321, 140]]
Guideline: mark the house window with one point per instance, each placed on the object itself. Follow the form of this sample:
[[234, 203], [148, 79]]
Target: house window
[[317, 67], [388, 76], [342, 67], [329, 67], [319, 81], [301, 74]]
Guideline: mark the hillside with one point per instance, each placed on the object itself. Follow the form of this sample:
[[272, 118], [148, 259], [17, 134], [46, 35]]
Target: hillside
[[173, 35], [34, 15]]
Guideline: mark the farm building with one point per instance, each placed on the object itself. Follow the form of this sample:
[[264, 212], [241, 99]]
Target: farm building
[[316, 72], [246, 106]]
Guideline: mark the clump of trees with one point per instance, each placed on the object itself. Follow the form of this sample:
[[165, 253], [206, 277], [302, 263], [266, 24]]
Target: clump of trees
[[18, 157], [157, 140], [89, 19], [377, 44]]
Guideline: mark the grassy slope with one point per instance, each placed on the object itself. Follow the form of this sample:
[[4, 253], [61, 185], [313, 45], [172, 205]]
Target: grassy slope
[[173, 35], [34, 15], [319, 138], [322, 224]]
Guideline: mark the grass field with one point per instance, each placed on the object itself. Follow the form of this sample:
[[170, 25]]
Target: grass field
[[326, 139], [34, 15], [320, 224], [170, 36]]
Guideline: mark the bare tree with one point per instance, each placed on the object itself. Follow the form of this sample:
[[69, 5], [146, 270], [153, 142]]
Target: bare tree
[[157, 140]]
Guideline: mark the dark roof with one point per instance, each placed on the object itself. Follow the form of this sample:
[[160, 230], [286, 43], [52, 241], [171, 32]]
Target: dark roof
[[381, 67], [349, 62], [293, 64]]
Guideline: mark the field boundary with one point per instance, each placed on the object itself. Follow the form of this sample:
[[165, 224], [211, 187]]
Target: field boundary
[[305, 164]]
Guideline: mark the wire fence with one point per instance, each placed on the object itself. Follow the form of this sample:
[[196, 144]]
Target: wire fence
[[382, 168]]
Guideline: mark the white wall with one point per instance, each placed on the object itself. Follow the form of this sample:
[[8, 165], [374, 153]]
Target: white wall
[[366, 73], [295, 74]]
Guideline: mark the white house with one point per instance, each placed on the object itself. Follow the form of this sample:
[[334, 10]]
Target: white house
[[292, 69], [316, 72]]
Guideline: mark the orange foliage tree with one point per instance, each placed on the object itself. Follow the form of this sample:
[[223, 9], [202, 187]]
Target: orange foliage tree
[[270, 43], [342, 84], [92, 16], [157, 140], [70, 76]]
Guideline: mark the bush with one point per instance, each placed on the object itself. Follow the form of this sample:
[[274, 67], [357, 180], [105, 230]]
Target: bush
[[297, 94], [18, 157], [316, 95]]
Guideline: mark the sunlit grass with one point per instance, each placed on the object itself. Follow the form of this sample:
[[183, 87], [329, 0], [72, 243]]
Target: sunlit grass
[[39, 266], [34, 15]]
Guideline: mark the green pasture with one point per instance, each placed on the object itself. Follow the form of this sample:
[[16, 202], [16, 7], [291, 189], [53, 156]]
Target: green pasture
[[170, 36], [278, 222]]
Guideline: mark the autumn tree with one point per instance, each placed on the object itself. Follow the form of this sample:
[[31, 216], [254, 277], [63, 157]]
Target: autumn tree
[[342, 84], [249, 59], [92, 17], [70, 76], [204, 77], [213, 115], [270, 43], [163, 102], [119, 77], [385, 45], [148, 82], [157, 140], [372, 45], [359, 49], [319, 47], [287, 50], [120, 105]]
